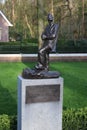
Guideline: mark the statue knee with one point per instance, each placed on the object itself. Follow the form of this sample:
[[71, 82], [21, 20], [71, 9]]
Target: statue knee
[[41, 51]]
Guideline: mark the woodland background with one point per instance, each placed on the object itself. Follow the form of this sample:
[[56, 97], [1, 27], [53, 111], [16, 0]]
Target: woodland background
[[29, 17]]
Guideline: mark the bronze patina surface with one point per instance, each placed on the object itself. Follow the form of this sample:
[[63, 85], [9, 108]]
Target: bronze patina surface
[[49, 38]]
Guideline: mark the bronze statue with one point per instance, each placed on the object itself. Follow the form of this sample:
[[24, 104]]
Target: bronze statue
[[49, 38]]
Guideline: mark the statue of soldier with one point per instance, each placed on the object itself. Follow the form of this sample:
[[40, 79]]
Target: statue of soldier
[[49, 38]]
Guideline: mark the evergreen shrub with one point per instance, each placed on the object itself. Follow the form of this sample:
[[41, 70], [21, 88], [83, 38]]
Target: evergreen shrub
[[72, 120], [4, 122], [75, 119]]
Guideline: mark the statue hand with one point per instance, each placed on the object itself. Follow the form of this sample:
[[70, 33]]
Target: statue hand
[[43, 37]]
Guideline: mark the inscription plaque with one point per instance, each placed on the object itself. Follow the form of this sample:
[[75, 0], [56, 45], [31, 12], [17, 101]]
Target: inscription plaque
[[42, 93]]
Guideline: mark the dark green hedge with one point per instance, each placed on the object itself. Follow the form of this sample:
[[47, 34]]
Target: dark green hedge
[[18, 47], [29, 47], [70, 46], [72, 120]]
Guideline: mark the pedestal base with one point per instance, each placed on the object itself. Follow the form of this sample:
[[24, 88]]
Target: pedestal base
[[39, 114]]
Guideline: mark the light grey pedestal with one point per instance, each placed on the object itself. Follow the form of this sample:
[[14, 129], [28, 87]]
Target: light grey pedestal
[[39, 115]]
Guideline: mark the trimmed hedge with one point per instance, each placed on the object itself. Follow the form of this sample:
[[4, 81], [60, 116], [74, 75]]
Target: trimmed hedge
[[17, 47], [72, 120], [69, 46], [8, 122], [29, 47], [75, 119], [13, 123], [4, 122]]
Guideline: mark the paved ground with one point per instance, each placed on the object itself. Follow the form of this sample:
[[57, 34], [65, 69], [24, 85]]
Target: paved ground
[[33, 57]]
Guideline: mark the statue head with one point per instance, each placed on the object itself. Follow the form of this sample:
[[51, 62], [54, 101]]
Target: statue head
[[50, 17]]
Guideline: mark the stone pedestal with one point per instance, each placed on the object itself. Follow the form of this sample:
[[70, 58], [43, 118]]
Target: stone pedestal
[[40, 104]]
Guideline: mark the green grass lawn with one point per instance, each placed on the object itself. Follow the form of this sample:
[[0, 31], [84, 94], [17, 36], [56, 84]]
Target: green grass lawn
[[75, 84]]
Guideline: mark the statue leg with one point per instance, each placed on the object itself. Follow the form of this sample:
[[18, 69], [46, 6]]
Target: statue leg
[[47, 62], [43, 58]]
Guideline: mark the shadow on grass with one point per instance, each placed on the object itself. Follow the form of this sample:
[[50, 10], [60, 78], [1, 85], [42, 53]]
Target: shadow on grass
[[7, 103]]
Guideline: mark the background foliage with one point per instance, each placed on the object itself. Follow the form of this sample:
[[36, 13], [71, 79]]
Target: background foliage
[[29, 17]]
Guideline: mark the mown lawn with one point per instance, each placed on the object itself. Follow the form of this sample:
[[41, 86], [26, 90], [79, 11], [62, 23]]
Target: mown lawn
[[75, 84]]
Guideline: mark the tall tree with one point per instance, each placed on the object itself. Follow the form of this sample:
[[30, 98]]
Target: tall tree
[[52, 7], [40, 20], [83, 29], [13, 10]]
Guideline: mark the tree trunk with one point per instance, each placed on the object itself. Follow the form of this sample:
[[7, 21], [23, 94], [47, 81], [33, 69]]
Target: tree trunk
[[28, 25], [40, 21], [13, 12], [52, 10], [83, 19]]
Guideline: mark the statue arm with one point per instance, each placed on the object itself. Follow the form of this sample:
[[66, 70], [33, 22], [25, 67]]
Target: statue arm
[[54, 34], [50, 36], [43, 36]]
